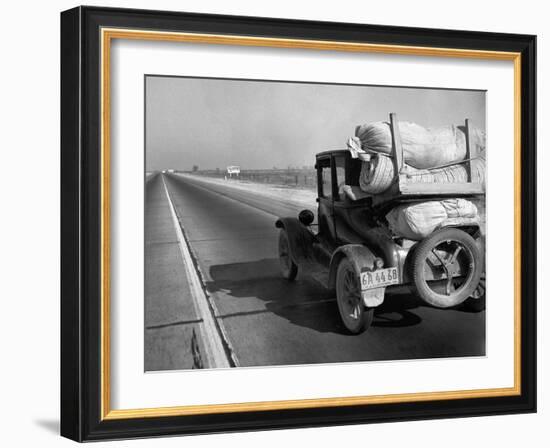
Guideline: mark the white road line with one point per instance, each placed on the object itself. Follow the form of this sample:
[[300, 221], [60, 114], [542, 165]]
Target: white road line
[[216, 356]]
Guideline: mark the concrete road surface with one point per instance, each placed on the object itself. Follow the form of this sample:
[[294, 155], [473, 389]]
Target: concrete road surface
[[262, 319]]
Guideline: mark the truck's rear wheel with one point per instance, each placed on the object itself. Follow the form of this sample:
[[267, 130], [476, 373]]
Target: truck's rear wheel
[[355, 316], [476, 302], [289, 269], [453, 258]]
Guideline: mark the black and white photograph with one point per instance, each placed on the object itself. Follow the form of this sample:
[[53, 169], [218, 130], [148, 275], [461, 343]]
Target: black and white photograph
[[296, 223]]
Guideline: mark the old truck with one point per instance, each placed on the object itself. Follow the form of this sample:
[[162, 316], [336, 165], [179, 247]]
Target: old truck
[[349, 247]]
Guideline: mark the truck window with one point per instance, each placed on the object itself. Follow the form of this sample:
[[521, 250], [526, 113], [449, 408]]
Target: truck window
[[340, 163], [324, 178]]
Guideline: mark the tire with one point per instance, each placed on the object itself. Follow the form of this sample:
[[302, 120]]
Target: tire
[[289, 269], [476, 302], [465, 253], [354, 315]]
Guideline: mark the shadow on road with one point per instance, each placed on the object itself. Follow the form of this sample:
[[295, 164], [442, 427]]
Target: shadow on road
[[396, 311], [303, 302]]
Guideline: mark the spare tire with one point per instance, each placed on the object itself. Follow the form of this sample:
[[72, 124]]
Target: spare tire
[[446, 267]]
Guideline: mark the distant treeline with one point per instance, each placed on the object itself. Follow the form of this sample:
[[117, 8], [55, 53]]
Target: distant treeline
[[295, 177]]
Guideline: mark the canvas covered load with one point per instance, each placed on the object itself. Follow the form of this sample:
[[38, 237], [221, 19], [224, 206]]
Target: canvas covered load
[[423, 148], [418, 220], [378, 173], [430, 155]]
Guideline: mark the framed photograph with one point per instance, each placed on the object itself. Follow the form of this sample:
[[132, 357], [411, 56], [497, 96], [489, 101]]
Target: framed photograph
[[273, 223]]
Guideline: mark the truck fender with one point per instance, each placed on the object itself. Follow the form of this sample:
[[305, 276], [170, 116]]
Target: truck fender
[[473, 229], [300, 239], [361, 258]]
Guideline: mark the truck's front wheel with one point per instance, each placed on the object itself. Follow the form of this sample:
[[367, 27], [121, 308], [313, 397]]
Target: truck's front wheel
[[355, 316], [288, 267]]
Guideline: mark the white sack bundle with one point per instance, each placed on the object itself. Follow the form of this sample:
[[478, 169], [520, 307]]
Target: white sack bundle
[[378, 174], [422, 147], [417, 221], [457, 173]]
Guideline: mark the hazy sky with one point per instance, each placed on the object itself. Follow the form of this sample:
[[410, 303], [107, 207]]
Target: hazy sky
[[256, 124]]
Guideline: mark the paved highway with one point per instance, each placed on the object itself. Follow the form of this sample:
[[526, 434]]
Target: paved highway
[[261, 319]]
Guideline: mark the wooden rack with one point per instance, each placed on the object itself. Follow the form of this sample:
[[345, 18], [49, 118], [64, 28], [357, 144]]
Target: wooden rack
[[404, 189]]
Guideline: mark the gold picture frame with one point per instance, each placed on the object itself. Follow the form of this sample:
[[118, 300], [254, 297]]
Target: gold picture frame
[[108, 30]]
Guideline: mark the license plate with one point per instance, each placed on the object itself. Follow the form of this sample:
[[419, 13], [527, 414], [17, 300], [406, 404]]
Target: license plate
[[379, 278]]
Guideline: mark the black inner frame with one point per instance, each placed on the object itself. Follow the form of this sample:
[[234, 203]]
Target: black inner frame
[[80, 223]]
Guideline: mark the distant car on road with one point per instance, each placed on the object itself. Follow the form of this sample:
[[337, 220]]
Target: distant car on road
[[351, 249]]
